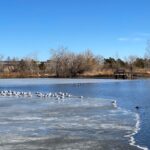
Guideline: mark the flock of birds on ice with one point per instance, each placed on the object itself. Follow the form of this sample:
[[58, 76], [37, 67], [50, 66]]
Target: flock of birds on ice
[[56, 95]]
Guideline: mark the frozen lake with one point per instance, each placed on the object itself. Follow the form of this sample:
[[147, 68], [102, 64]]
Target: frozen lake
[[34, 123]]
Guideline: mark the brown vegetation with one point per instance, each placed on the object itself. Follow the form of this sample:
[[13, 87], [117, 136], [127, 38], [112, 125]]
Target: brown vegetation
[[64, 63]]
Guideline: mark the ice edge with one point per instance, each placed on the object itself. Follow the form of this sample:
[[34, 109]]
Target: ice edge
[[132, 141]]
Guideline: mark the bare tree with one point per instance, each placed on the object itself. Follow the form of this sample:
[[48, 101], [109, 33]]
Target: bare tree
[[1, 63], [57, 61], [68, 64], [131, 60], [147, 55]]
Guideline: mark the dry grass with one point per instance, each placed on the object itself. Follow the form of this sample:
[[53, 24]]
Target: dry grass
[[107, 73]]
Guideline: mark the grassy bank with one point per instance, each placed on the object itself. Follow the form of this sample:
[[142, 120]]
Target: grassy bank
[[109, 73]]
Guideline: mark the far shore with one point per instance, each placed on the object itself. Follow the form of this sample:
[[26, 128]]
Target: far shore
[[87, 75]]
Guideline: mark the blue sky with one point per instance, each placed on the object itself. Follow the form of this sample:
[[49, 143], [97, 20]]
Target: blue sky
[[107, 27]]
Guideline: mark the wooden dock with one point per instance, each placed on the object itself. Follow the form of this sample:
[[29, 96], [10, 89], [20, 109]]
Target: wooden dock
[[122, 74]]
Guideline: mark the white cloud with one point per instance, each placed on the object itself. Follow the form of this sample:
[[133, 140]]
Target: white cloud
[[123, 39], [133, 39], [137, 39], [143, 34]]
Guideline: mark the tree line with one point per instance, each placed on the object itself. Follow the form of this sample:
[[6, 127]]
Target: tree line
[[65, 63]]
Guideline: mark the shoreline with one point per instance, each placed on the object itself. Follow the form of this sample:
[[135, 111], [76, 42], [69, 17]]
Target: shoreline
[[78, 77], [83, 76]]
